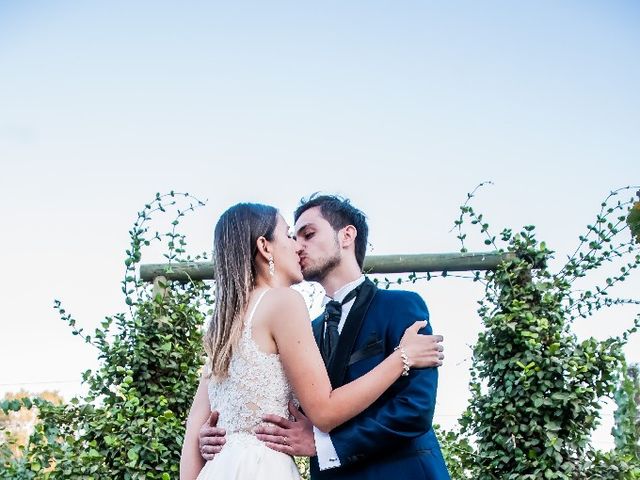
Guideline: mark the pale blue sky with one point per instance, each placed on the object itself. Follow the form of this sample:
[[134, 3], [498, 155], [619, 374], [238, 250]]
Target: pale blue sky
[[403, 106]]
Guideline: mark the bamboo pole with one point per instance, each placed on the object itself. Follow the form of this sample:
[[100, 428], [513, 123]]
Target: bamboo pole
[[374, 264]]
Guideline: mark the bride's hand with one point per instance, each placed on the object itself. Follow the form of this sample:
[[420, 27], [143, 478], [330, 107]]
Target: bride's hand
[[422, 350]]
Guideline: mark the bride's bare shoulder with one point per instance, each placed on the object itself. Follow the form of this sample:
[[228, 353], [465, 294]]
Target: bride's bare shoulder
[[283, 301], [286, 295]]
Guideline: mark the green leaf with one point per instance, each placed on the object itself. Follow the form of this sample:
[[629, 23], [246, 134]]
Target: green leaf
[[132, 454], [633, 221]]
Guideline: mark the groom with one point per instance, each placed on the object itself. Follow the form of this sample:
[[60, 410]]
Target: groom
[[360, 327]]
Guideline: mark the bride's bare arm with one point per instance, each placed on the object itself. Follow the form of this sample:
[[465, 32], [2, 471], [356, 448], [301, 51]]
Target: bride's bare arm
[[326, 408], [191, 462]]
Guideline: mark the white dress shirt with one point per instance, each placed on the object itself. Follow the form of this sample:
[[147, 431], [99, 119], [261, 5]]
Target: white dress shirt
[[326, 452]]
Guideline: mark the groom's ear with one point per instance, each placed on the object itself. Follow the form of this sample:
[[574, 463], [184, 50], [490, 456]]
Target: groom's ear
[[348, 236]]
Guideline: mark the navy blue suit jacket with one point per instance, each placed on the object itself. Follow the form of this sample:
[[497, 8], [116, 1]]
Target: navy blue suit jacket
[[392, 438]]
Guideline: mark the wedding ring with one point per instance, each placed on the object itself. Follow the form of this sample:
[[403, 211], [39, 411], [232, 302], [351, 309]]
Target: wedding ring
[[285, 441]]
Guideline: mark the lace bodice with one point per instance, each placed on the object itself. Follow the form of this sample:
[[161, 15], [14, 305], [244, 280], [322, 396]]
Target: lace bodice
[[256, 385]]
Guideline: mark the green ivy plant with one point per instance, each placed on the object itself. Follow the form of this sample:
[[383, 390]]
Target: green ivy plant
[[626, 431], [130, 424], [535, 388]]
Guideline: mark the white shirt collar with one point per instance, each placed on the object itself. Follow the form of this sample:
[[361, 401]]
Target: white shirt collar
[[344, 290]]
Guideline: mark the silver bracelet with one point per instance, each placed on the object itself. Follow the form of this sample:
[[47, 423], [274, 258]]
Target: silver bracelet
[[405, 361]]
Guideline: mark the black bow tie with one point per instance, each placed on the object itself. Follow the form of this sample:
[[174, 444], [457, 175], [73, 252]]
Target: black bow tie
[[332, 315]]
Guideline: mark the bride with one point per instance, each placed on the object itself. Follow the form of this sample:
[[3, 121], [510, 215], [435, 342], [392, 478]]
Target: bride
[[261, 352]]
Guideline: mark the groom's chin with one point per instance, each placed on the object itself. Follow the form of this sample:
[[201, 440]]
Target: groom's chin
[[296, 281], [309, 275]]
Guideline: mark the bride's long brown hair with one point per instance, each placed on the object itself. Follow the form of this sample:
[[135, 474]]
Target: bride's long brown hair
[[234, 255]]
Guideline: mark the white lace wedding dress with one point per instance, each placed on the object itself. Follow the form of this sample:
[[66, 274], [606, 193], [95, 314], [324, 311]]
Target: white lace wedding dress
[[256, 385]]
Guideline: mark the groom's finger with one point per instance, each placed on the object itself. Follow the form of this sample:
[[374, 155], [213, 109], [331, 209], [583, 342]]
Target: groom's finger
[[277, 420], [278, 447], [295, 411], [213, 418], [266, 438], [210, 451], [212, 435], [270, 431]]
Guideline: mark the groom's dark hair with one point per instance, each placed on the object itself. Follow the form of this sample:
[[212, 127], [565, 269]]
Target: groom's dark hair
[[339, 212]]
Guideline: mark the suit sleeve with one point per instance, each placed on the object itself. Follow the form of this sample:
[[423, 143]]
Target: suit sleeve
[[406, 409]]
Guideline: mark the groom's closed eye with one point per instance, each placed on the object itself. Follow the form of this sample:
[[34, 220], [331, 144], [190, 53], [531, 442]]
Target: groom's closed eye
[[305, 232]]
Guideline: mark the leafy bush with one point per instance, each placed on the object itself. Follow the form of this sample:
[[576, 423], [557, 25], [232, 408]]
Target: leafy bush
[[130, 425], [626, 431], [535, 388]]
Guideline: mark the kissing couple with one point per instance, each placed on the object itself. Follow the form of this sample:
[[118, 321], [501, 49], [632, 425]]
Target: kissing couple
[[364, 373]]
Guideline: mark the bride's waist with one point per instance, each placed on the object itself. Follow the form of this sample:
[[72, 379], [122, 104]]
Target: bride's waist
[[246, 419], [242, 437]]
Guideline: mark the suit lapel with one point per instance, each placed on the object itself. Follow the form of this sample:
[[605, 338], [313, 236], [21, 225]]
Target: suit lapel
[[338, 367]]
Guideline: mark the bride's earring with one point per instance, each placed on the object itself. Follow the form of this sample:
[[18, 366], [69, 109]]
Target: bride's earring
[[272, 267]]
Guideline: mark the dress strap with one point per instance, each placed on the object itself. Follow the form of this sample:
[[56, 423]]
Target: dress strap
[[253, 310]]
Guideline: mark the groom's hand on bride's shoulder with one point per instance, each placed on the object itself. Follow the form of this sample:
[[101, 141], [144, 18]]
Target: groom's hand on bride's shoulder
[[293, 437], [211, 438]]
